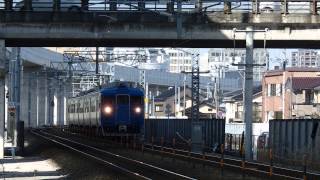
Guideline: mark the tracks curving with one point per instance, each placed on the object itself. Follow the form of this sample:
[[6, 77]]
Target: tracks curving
[[128, 166]]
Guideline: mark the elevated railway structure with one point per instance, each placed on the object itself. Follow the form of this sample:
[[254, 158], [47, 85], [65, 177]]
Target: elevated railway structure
[[291, 24]]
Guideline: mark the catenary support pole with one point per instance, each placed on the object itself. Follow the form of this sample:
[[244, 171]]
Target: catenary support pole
[[2, 95], [247, 95], [17, 88]]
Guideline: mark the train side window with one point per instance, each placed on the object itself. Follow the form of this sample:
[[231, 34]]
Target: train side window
[[78, 108], [122, 99], [93, 105]]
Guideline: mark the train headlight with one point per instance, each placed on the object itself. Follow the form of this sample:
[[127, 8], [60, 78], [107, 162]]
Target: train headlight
[[137, 110], [108, 110]]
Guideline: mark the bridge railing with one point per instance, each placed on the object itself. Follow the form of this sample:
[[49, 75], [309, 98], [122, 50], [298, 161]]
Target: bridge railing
[[208, 6]]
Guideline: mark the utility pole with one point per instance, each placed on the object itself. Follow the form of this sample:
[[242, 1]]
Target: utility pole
[[3, 68], [247, 95], [216, 96], [248, 89], [17, 83], [184, 94]]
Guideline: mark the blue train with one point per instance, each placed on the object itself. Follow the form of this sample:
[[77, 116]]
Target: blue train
[[119, 108]]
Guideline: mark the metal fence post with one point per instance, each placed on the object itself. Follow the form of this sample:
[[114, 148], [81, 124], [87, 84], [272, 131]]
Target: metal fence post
[[203, 150], [271, 162], [173, 145], [152, 141], [222, 158], [305, 167]]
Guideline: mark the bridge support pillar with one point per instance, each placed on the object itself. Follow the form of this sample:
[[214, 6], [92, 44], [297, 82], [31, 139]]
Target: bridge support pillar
[[28, 5], [284, 7], [227, 7], [56, 5], [170, 6], [113, 5], [198, 6], [2, 95], [141, 5], [247, 94], [84, 4], [314, 7], [8, 5], [255, 7]]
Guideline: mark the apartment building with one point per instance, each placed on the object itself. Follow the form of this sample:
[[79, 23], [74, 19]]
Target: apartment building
[[227, 57], [179, 60], [305, 58], [290, 93]]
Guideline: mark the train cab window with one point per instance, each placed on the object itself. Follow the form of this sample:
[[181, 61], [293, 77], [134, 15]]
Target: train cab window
[[136, 100], [123, 99]]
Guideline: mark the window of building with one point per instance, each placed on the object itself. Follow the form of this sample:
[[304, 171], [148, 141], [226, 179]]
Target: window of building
[[274, 89], [278, 115], [238, 114], [308, 97], [159, 107]]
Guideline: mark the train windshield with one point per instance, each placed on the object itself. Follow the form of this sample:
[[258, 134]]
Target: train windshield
[[123, 99], [136, 100]]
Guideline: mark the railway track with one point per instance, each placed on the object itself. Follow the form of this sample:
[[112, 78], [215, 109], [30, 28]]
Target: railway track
[[128, 166], [253, 168]]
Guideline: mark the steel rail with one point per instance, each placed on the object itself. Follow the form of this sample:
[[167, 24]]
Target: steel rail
[[126, 171], [125, 158], [215, 160], [233, 162]]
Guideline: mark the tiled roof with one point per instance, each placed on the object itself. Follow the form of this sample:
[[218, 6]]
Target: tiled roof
[[291, 69], [299, 83], [238, 95]]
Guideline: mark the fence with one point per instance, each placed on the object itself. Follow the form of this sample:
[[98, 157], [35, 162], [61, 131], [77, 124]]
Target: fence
[[294, 141], [165, 131]]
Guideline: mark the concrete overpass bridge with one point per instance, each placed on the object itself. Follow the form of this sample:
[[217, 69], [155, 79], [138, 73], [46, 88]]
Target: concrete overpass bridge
[[163, 27]]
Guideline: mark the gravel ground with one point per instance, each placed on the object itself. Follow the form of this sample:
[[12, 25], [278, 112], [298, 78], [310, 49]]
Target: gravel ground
[[72, 164]]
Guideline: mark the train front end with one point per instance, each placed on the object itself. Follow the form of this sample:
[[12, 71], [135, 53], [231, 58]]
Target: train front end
[[122, 109]]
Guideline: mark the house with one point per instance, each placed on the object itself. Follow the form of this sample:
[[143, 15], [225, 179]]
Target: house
[[207, 110], [234, 106], [291, 93], [168, 103]]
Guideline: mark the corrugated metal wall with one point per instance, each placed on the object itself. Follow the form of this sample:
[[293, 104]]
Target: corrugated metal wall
[[213, 130], [291, 139]]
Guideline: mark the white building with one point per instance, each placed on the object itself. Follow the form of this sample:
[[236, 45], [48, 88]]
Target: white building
[[179, 60], [305, 58], [225, 58]]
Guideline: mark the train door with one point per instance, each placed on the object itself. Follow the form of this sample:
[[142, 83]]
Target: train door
[[85, 111], [77, 117], [122, 111]]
